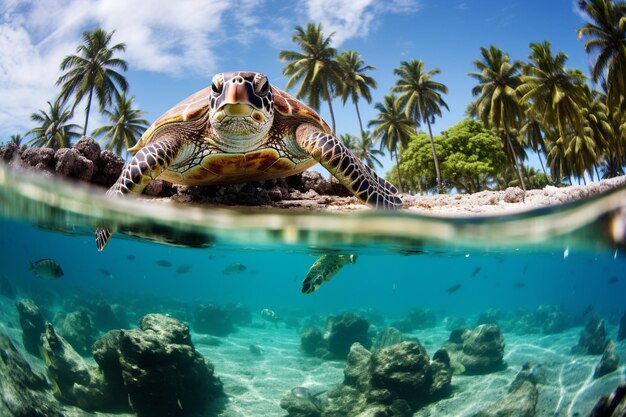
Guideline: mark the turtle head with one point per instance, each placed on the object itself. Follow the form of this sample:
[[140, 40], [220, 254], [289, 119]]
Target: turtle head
[[241, 108]]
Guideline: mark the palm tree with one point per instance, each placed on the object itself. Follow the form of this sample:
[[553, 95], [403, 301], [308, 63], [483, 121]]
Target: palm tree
[[393, 128], [355, 83], [605, 35], [420, 97], [53, 130], [314, 67], [497, 103], [17, 139], [363, 148], [558, 94], [126, 125], [91, 70]]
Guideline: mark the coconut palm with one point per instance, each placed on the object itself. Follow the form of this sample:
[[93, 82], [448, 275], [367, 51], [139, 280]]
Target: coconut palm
[[93, 69], [314, 67], [420, 97], [497, 103], [17, 139], [355, 83], [126, 125], [605, 35], [363, 148], [393, 128], [53, 130]]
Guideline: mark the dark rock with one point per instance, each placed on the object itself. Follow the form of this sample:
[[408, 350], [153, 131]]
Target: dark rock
[[313, 180], [159, 188], [9, 152], [300, 402], [491, 316], [592, 339], [478, 351], [311, 340], [343, 331], [357, 372], [441, 374], [609, 361], [106, 353], [546, 319], [213, 319], [621, 333], [163, 374], [611, 405], [77, 329], [33, 325], [103, 317], [416, 319], [39, 158], [459, 335], [70, 163], [108, 168], [337, 188], [239, 314], [88, 147], [23, 391], [520, 400]]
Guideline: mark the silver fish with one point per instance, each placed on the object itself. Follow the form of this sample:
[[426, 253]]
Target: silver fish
[[46, 269]]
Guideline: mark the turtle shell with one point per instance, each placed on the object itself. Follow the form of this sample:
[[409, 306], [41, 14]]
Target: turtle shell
[[278, 158]]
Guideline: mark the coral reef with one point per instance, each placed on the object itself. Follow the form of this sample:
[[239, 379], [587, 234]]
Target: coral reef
[[33, 325]]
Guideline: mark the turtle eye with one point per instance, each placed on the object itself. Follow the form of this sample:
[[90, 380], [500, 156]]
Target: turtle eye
[[262, 87], [217, 85]]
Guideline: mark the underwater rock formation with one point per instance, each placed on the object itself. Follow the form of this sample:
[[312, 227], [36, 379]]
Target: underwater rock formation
[[33, 325], [546, 320], [77, 329], [388, 337], [7, 289], [521, 398], [592, 339], [416, 319], [479, 351], [301, 402], [621, 333], [214, 320], [341, 332], [394, 381], [609, 361], [611, 405], [163, 374], [23, 391]]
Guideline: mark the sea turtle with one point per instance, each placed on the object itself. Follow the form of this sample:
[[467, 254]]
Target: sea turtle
[[241, 129]]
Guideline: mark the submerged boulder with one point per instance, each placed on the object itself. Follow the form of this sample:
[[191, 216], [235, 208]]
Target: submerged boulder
[[416, 319], [611, 405], [608, 363], [76, 327], [479, 351], [33, 325], [344, 330], [592, 339], [23, 391], [214, 320]]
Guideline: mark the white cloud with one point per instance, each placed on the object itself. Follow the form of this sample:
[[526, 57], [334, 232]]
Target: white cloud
[[353, 18]]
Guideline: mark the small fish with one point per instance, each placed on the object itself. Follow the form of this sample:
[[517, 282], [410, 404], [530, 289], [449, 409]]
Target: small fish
[[454, 288], [587, 310], [46, 269], [612, 280], [163, 263], [131, 257], [476, 271], [269, 315], [106, 272], [234, 268], [519, 284], [183, 269]]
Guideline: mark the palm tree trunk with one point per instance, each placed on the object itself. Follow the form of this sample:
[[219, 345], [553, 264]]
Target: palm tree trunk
[[400, 186], [87, 111], [358, 115], [432, 148], [514, 156], [541, 162], [330, 107]]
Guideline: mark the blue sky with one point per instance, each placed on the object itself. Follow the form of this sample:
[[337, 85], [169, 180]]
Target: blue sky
[[175, 47]]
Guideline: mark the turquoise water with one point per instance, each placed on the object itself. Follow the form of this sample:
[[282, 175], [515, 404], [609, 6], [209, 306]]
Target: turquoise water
[[571, 256]]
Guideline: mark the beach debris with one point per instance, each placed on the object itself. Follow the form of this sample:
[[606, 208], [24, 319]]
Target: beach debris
[[46, 268], [234, 268], [612, 279], [269, 315], [183, 269], [164, 263], [476, 271], [454, 288], [324, 269], [106, 272]]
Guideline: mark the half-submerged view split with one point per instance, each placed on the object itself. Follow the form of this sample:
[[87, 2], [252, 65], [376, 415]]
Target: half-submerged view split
[[194, 228]]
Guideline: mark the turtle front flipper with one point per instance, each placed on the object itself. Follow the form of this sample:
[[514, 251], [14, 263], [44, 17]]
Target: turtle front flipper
[[357, 177], [147, 164], [324, 269]]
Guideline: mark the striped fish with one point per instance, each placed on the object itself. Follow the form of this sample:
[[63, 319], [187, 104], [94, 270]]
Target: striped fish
[[46, 269]]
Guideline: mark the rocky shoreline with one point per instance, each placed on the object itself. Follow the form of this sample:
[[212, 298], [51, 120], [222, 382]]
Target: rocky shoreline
[[85, 161]]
